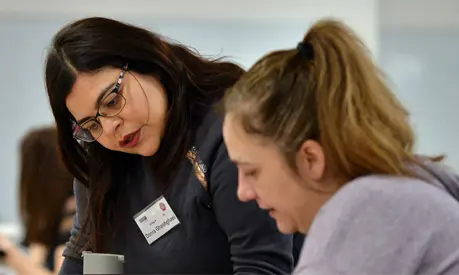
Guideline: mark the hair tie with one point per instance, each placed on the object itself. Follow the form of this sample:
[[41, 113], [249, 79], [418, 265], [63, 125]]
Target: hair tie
[[305, 50]]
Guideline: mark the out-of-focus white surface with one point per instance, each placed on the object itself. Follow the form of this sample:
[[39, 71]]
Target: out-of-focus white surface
[[12, 231], [196, 9], [423, 67], [420, 15], [360, 14], [5, 270], [426, 14]]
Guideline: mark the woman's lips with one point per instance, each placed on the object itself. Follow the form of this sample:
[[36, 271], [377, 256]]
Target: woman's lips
[[130, 140]]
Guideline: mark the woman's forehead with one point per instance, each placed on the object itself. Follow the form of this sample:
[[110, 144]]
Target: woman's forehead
[[86, 90]]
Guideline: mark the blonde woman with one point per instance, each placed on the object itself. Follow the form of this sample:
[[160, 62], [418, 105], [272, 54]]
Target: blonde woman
[[323, 144]]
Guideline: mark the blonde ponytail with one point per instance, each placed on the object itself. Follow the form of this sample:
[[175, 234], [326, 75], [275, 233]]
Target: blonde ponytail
[[335, 95], [363, 126]]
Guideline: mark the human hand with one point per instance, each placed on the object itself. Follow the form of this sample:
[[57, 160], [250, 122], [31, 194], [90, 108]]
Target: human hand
[[5, 245], [18, 261]]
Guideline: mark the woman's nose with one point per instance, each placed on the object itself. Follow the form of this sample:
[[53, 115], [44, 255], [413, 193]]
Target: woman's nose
[[110, 124], [245, 192]]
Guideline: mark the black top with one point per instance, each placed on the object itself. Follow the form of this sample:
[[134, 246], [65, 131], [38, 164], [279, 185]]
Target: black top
[[217, 233]]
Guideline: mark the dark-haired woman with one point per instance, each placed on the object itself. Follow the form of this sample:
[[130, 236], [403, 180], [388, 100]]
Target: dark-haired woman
[[153, 179]]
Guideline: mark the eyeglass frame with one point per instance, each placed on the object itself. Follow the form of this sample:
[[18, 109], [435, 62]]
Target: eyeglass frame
[[116, 89]]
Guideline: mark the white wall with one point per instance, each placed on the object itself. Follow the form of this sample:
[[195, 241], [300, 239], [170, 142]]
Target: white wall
[[360, 14], [244, 30], [418, 49], [421, 15]]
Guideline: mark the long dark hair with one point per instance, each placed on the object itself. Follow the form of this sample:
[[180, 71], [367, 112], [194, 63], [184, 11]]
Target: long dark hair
[[42, 175], [190, 81]]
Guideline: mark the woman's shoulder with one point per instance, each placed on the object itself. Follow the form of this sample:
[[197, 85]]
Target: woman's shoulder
[[395, 187], [208, 129], [393, 192], [80, 190], [208, 138], [379, 199], [81, 195], [395, 220]]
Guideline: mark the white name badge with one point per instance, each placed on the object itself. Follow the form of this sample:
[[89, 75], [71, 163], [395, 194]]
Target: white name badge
[[156, 219]]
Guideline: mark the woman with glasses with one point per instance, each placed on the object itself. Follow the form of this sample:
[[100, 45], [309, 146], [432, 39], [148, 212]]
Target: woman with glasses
[[154, 183], [324, 145]]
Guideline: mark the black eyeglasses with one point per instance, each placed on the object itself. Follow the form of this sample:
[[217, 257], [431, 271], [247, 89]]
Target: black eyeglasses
[[111, 105]]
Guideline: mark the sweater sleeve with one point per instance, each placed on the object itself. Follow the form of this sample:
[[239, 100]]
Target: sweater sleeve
[[256, 245], [73, 263]]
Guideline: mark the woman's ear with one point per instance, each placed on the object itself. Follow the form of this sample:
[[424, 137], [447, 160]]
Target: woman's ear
[[310, 161]]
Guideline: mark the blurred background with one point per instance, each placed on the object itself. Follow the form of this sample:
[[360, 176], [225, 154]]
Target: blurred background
[[415, 41]]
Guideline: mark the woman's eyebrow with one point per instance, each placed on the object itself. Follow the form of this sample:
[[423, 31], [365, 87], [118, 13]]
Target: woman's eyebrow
[[98, 102]]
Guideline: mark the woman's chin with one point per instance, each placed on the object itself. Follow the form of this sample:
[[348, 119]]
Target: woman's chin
[[147, 153], [147, 148], [285, 227]]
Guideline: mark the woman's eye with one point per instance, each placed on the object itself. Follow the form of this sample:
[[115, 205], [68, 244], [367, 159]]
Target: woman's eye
[[112, 101], [251, 173], [92, 126]]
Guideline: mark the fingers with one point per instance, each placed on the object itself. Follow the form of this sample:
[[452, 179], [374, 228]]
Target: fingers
[[5, 244]]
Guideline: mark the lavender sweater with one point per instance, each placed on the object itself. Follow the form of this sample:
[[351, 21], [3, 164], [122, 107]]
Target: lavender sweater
[[387, 225]]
